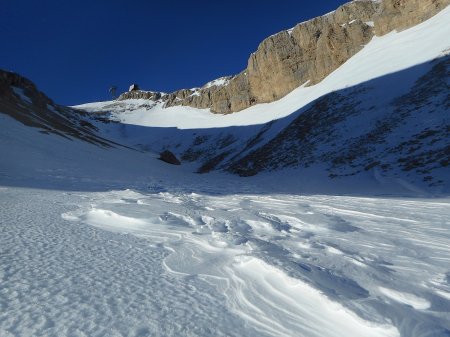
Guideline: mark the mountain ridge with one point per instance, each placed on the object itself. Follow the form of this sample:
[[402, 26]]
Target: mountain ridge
[[303, 55], [21, 99]]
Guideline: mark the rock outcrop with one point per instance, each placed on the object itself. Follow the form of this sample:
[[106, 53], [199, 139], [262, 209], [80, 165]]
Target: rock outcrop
[[402, 14], [169, 157], [305, 54], [21, 100], [317, 132], [140, 94]]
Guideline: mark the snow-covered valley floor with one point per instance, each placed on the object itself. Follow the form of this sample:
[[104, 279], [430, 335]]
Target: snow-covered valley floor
[[99, 240], [169, 262]]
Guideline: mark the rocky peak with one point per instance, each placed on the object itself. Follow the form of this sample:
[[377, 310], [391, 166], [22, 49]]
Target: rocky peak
[[20, 99], [141, 94], [13, 85]]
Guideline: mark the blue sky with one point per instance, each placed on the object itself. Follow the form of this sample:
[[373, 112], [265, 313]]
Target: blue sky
[[75, 50]]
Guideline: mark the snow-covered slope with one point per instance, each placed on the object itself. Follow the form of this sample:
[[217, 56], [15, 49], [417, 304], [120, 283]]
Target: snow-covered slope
[[99, 239], [384, 114]]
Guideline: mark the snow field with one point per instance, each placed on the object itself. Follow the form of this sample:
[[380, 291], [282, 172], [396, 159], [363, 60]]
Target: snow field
[[264, 264], [182, 254], [63, 278]]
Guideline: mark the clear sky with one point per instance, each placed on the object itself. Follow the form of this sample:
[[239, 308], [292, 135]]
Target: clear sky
[[75, 50]]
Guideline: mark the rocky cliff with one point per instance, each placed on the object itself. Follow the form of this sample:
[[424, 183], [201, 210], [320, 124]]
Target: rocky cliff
[[305, 54]]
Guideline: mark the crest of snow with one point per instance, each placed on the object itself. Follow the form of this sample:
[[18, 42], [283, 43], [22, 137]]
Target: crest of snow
[[195, 93], [370, 23], [289, 31], [333, 250], [262, 282], [132, 87], [110, 220], [217, 83], [443, 294], [409, 299]]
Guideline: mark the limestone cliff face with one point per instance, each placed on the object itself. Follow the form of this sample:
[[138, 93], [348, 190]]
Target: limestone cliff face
[[140, 94], [305, 54], [309, 52], [402, 14]]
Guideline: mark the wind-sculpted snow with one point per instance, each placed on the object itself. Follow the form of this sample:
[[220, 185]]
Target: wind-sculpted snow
[[110, 241], [171, 262]]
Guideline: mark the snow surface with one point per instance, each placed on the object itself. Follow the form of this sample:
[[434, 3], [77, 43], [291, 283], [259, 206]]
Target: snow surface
[[217, 82], [169, 262], [383, 55], [113, 242], [97, 242]]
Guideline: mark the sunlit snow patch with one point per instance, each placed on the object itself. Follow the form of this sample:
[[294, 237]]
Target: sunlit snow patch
[[280, 305], [409, 299]]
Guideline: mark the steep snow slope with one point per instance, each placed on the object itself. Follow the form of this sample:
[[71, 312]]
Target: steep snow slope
[[359, 129]]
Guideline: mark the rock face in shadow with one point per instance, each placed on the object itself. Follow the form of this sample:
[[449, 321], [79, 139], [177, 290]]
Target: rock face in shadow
[[395, 138], [21, 100], [305, 54], [169, 157]]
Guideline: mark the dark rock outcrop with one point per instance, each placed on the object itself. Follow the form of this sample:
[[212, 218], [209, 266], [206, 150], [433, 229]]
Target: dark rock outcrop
[[169, 157], [20, 99]]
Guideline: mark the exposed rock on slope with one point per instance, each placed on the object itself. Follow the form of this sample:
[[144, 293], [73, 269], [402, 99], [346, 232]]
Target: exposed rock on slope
[[20, 99], [372, 127], [305, 54], [410, 135], [402, 14], [169, 157]]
